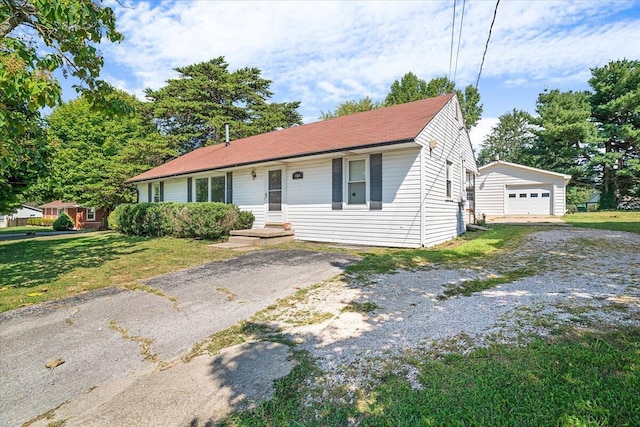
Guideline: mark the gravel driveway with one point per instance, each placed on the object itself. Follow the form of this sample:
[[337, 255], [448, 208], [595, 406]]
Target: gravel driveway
[[583, 277]]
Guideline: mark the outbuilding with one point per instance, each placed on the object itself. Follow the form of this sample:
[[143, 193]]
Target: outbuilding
[[392, 176], [510, 189]]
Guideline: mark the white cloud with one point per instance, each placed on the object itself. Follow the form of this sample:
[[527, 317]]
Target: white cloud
[[323, 53]]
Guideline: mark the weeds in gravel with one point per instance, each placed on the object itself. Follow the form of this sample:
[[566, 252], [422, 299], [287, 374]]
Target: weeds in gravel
[[361, 307], [468, 287]]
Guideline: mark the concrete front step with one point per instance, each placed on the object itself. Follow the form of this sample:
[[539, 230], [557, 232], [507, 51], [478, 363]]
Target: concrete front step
[[263, 233], [261, 236]]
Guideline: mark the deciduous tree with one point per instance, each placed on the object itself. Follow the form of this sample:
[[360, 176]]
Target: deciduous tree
[[95, 152], [510, 140], [38, 37], [411, 88], [350, 107]]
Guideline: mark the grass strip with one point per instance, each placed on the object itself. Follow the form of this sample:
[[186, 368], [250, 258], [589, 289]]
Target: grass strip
[[51, 268], [578, 379], [606, 220]]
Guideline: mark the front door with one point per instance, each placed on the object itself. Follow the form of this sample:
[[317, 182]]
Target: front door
[[274, 196]]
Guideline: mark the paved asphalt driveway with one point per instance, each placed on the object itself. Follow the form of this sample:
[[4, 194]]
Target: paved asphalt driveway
[[100, 335]]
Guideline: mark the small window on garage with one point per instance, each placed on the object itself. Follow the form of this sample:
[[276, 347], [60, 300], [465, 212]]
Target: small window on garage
[[523, 194], [512, 195], [545, 194], [534, 194], [91, 214]]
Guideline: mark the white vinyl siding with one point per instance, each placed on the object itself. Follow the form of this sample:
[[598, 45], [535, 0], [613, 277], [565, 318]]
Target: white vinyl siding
[[397, 224], [175, 190], [249, 193], [443, 219], [495, 183]]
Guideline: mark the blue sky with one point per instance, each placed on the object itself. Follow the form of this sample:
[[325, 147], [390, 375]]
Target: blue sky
[[324, 53]]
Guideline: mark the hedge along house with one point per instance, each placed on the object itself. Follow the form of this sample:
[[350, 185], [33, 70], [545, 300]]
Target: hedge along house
[[392, 176], [510, 189]]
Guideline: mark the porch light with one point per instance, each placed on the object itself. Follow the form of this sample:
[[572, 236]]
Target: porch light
[[253, 174]]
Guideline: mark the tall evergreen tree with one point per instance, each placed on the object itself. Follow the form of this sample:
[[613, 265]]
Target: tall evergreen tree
[[193, 108], [566, 136], [615, 105]]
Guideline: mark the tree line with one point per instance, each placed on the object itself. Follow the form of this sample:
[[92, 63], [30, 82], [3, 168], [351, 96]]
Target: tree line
[[594, 136], [87, 148]]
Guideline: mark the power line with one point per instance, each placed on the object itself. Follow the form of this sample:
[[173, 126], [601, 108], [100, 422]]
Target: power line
[[455, 70], [453, 28], [486, 46]]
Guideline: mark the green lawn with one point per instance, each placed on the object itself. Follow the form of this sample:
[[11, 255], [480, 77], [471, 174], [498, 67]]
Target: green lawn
[[606, 220], [25, 229], [577, 379], [55, 267]]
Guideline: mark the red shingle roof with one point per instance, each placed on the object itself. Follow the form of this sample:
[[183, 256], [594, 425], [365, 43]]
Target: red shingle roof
[[59, 204], [395, 124]]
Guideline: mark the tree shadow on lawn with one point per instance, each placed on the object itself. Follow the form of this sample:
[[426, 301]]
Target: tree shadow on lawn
[[28, 264]]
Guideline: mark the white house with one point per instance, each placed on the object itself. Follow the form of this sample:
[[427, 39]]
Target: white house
[[505, 189], [392, 176], [20, 216]]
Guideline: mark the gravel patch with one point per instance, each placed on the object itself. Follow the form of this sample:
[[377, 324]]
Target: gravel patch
[[586, 278]]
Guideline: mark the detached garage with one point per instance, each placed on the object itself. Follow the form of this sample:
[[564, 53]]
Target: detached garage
[[505, 188]]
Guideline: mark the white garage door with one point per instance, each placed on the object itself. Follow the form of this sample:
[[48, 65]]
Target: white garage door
[[529, 200]]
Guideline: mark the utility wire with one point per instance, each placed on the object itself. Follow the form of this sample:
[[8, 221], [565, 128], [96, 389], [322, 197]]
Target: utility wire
[[486, 46], [453, 27], [455, 70]]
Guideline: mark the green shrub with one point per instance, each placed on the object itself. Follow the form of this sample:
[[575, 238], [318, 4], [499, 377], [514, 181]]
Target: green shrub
[[63, 223], [40, 222], [245, 220], [209, 221]]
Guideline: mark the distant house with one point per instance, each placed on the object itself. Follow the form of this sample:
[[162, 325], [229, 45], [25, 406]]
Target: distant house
[[20, 216], [505, 188], [82, 216], [393, 176]]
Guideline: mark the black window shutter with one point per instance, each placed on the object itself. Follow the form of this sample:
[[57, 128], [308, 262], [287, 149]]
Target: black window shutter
[[336, 184], [162, 191], [375, 189], [189, 190], [229, 187], [149, 191]]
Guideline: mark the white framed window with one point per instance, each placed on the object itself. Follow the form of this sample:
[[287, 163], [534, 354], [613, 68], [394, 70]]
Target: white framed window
[[60, 211], [91, 214], [156, 192], [202, 189], [356, 182], [448, 174], [218, 193]]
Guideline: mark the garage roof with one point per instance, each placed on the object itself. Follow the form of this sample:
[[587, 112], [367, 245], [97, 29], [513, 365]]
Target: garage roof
[[484, 168]]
